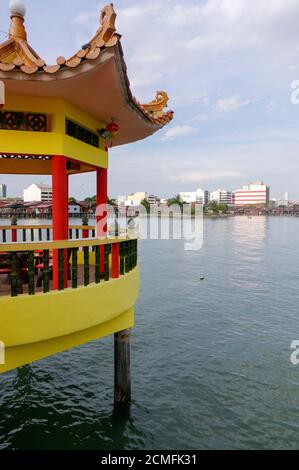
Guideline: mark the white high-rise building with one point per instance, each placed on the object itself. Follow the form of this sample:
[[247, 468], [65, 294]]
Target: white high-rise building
[[38, 192], [3, 191], [222, 196], [286, 199], [255, 194], [201, 196]]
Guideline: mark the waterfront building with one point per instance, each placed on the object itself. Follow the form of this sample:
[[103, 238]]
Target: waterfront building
[[200, 196], [74, 208], [38, 192], [135, 199], [121, 200], [222, 196], [253, 194], [3, 191], [286, 199], [153, 200], [79, 284]]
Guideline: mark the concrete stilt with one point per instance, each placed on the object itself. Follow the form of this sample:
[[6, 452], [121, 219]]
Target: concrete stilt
[[122, 372]]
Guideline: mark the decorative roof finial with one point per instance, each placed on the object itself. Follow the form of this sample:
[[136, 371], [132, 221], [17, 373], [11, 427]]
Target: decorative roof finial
[[17, 13], [17, 8]]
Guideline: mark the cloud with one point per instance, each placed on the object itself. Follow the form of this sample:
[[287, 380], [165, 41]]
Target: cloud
[[179, 132], [201, 176], [232, 103], [209, 55]]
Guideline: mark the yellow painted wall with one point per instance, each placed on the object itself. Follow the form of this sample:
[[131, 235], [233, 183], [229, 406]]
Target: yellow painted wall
[[21, 355], [55, 142], [29, 319], [35, 327]]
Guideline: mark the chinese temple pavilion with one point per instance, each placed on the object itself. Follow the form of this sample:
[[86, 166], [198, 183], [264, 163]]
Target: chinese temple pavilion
[[61, 285]]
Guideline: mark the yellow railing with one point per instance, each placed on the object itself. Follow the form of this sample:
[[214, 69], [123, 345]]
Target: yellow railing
[[24, 233], [29, 267]]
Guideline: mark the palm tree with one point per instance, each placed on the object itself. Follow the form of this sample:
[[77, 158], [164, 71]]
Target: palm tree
[[175, 200], [146, 205]]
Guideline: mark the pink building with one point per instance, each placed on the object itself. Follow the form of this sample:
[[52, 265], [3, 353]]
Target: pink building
[[253, 194]]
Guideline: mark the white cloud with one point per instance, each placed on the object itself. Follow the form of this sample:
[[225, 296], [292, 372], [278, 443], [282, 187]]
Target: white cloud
[[232, 103], [179, 132], [203, 176]]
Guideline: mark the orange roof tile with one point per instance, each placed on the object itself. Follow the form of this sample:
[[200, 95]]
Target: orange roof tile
[[17, 55]]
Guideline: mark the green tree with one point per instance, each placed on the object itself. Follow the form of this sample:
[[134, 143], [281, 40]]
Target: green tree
[[175, 200], [146, 205], [112, 201], [213, 206], [217, 208], [90, 199], [223, 208]]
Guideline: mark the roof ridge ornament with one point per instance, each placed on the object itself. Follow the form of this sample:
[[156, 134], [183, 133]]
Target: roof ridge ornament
[[107, 20], [17, 7], [156, 107], [16, 52], [106, 35], [17, 10]]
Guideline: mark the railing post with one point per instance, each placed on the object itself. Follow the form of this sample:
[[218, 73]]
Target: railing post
[[102, 209], [60, 216], [122, 372], [115, 261], [85, 231], [14, 223]]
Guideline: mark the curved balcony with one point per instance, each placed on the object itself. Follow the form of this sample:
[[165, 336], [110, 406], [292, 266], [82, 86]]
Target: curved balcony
[[98, 285]]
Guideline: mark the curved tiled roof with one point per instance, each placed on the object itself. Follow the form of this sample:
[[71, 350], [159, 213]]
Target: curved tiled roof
[[17, 55]]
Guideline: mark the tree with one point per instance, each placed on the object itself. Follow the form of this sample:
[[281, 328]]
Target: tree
[[90, 199], [112, 201], [175, 200], [72, 199], [223, 208], [213, 206], [216, 207], [146, 205]]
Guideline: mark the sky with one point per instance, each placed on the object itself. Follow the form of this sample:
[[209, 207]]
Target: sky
[[227, 66]]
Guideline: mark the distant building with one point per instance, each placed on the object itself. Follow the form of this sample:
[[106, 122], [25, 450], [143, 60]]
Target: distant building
[[74, 208], [273, 202], [201, 196], [38, 192], [286, 199], [3, 191], [135, 199], [153, 200], [253, 194], [222, 196], [121, 200]]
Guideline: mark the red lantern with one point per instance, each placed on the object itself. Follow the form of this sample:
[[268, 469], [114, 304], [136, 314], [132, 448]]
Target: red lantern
[[112, 128]]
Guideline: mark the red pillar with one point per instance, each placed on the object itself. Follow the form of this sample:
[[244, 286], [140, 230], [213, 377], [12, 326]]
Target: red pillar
[[101, 211], [115, 261], [60, 213], [13, 235]]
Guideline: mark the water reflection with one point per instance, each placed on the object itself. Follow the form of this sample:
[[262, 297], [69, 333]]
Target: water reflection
[[249, 231], [248, 239]]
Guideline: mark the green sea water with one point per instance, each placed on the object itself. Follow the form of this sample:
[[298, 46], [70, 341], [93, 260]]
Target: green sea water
[[210, 359]]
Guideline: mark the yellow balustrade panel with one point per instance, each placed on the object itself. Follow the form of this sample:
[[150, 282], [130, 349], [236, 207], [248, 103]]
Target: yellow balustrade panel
[[33, 327], [21, 355]]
